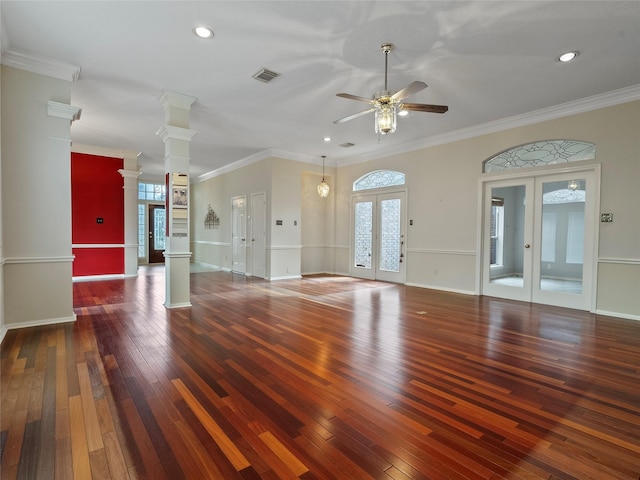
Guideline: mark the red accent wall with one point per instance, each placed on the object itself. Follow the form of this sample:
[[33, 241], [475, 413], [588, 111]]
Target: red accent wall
[[97, 193]]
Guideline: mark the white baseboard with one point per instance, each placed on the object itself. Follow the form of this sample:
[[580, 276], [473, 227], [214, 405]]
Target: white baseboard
[[626, 316], [442, 289], [93, 278], [288, 277], [39, 323]]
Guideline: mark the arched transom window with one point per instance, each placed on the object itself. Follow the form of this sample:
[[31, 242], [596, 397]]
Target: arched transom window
[[548, 152], [378, 179]]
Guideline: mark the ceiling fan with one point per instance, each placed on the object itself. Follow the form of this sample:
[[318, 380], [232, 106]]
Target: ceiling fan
[[387, 104]]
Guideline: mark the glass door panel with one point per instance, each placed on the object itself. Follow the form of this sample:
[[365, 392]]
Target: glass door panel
[[562, 236], [564, 258], [363, 246], [390, 234], [507, 239]]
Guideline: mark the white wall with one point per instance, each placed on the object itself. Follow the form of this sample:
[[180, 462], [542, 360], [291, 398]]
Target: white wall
[[36, 200], [443, 184]]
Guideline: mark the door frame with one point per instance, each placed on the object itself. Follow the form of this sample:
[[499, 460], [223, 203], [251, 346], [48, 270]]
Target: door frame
[[522, 174], [375, 196], [259, 249]]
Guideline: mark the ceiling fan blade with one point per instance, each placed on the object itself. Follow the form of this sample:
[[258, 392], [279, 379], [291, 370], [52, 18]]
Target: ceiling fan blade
[[423, 107], [355, 115], [353, 97], [413, 87]]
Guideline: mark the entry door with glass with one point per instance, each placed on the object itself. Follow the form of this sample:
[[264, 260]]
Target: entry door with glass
[[378, 237], [538, 239], [157, 233]]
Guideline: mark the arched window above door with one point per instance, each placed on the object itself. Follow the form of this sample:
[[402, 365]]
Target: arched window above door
[[379, 179], [536, 154]]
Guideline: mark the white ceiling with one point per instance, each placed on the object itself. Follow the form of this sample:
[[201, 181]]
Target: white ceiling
[[486, 60]]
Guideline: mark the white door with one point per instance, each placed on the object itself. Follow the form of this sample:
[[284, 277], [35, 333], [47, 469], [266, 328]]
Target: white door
[[238, 234], [258, 234], [538, 239], [378, 242]]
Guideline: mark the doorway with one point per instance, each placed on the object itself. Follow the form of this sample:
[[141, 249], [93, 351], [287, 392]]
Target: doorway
[[238, 234], [538, 238], [258, 234], [378, 236], [157, 233]]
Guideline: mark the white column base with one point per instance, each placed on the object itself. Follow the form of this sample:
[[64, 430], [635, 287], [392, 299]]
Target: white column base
[[177, 279]]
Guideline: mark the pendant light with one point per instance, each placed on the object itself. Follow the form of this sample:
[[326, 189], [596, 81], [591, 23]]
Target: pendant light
[[323, 187]]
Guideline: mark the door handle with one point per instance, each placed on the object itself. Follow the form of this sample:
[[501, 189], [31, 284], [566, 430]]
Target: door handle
[[526, 245]]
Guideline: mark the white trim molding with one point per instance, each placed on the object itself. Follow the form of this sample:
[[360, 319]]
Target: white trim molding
[[25, 260], [39, 323], [429, 251], [63, 110], [40, 65], [620, 261]]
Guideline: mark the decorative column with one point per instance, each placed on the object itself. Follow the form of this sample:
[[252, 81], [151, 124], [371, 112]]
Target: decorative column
[[130, 173], [177, 136]]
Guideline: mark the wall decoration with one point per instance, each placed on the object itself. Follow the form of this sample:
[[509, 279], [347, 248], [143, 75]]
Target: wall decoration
[[211, 219]]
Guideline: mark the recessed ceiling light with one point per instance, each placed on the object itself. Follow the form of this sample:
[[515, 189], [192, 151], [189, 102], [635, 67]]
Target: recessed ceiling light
[[567, 57], [203, 32], [327, 139], [403, 113]]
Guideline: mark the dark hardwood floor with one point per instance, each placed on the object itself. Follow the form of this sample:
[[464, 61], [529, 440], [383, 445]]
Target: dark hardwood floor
[[320, 378]]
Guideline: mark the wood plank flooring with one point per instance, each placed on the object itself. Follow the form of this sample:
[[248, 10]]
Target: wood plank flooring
[[320, 378]]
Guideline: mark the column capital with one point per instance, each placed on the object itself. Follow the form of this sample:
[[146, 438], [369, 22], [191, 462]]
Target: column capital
[[176, 99], [170, 132], [129, 173]]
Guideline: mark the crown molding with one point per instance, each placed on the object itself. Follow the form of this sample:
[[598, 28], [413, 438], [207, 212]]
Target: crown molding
[[104, 151], [257, 157], [63, 110], [40, 65], [595, 102]]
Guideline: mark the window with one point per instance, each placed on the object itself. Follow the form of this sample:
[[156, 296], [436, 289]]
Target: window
[[497, 231], [378, 179], [548, 152], [151, 191]]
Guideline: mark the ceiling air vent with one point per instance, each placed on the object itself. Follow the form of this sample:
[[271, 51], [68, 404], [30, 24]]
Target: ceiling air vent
[[265, 75], [347, 145]]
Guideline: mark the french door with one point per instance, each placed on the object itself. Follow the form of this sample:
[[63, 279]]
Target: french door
[[239, 234], [538, 238], [378, 241]]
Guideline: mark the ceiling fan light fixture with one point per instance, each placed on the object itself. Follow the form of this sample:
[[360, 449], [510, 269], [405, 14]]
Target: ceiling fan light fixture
[[385, 121]]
